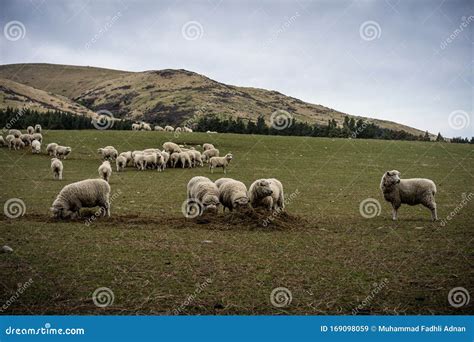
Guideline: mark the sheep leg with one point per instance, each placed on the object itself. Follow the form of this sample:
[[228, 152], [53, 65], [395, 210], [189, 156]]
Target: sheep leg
[[394, 213]]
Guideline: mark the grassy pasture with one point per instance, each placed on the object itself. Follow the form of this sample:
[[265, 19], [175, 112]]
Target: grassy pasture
[[323, 250]]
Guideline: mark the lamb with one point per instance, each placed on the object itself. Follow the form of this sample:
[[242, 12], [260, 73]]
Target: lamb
[[62, 151], [105, 171], [38, 128], [203, 191], [9, 140], [17, 144], [233, 195], [121, 162], [57, 168], [169, 129], [30, 130], [208, 154], [87, 193], [51, 149], [223, 162], [408, 191], [108, 153], [37, 136], [26, 138], [207, 146], [171, 147], [158, 128], [16, 133], [127, 155], [35, 146], [267, 193]]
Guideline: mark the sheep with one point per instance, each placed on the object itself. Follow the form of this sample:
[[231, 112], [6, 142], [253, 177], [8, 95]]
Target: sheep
[[187, 129], [108, 153], [105, 171], [62, 151], [184, 159], [135, 127], [139, 160], [121, 162], [17, 144], [9, 140], [150, 159], [171, 147], [2, 141], [169, 129], [30, 129], [267, 193], [146, 127], [221, 181], [51, 149], [127, 155], [207, 146], [87, 193], [26, 138], [160, 161], [152, 150], [192, 157], [203, 191], [166, 157], [57, 168], [233, 195], [158, 128], [174, 158], [197, 158], [38, 128], [223, 162], [410, 191], [35, 146], [208, 154], [16, 133], [178, 130], [37, 136]]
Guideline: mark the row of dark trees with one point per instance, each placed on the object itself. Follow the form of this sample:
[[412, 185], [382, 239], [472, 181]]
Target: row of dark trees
[[351, 128]]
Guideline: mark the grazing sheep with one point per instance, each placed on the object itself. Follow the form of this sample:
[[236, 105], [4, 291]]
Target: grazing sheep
[[166, 157], [223, 162], [211, 132], [207, 146], [57, 168], [160, 161], [187, 129], [178, 130], [150, 159], [233, 195], [408, 191], [135, 127], [184, 159], [139, 160], [9, 140], [127, 155], [51, 149], [38, 128], [174, 158], [171, 147], [105, 171], [88, 193], [158, 128], [146, 127], [121, 163], [108, 153], [169, 129], [208, 154], [2, 141], [16, 133], [26, 138], [221, 181], [35, 146], [204, 192], [17, 143], [267, 193], [30, 129], [62, 151], [152, 150], [37, 136], [197, 158]]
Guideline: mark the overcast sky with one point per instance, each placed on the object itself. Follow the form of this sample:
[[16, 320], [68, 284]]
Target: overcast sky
[[388, 59]]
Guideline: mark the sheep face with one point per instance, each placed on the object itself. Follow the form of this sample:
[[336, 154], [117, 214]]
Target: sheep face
[[264, 189], [59, 212], [241, 203], [210, 203], [391, 178]]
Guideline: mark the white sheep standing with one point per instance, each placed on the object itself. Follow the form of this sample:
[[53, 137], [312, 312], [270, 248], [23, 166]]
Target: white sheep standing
[[178, 130], [267, 193], [105, 171], [169, 129], [139, 160], [171, 147], [204, 193], [17, 143], [146, 127], [223, 162], [38, 128], [35, 146], [197, 158], [127, 155], [108, 153], [208, 154], [26, 138], [158, 128], [121, 163], [62, 151], [51, 149], [57, 168], [166, 157], [233, 195], [187, 129], [410, 191], [30, 129], [87, 193], [207, 146], [150, 159]]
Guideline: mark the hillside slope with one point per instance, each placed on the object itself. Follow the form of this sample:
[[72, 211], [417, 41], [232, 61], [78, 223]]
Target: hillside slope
[[168, 96]]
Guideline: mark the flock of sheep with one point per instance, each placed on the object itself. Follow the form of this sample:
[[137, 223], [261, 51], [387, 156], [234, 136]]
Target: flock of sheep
[[230, 193], [143, 126]]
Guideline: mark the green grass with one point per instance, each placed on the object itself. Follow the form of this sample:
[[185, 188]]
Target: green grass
[[322, 250]]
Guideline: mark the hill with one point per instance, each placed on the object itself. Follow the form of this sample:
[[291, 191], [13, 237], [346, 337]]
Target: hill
[[169, 96]]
